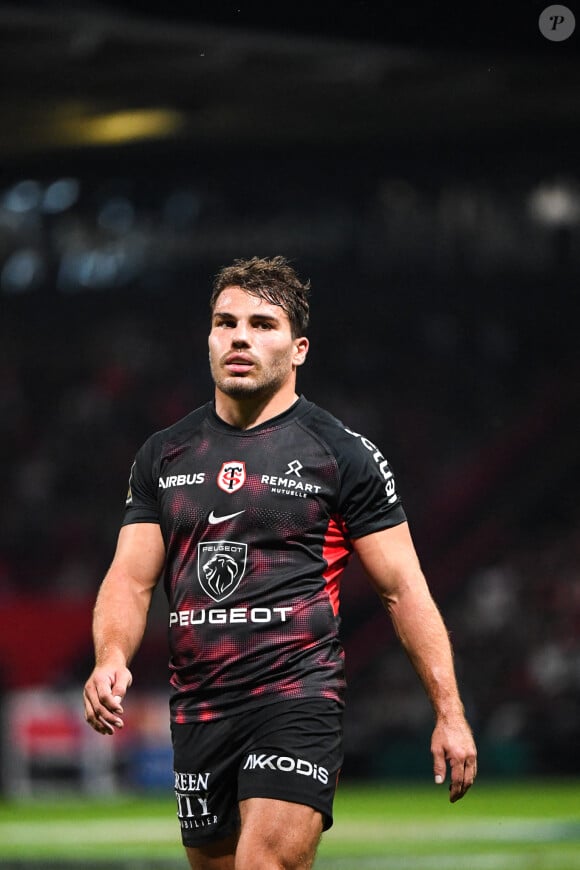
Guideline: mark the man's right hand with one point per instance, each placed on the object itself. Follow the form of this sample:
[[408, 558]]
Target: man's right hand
[[104, 692]]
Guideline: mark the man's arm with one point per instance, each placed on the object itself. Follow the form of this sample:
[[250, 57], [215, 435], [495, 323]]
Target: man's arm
[[119, 621], [391, 562]]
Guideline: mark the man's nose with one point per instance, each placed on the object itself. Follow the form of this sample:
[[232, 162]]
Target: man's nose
[[240, 335]]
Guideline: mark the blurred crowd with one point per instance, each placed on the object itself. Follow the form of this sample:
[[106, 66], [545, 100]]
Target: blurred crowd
[[515, 626]]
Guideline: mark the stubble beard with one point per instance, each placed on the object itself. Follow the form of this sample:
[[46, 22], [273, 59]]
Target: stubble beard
[[250, 387]]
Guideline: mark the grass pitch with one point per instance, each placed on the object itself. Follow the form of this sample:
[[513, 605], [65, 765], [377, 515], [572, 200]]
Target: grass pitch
[[533, 825]]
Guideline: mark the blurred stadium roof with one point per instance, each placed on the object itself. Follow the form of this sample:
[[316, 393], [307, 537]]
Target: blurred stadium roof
[[90, 74]]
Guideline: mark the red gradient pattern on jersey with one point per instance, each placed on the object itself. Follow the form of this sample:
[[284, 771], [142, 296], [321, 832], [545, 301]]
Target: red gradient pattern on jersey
[[336, 551]]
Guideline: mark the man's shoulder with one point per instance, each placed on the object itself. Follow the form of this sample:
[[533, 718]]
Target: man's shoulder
[[315, 415], [326, 426], [343, 441], [181, 429]]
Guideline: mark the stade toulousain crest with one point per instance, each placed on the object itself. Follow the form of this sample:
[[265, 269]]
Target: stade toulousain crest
[[232, 476], [220, 567]]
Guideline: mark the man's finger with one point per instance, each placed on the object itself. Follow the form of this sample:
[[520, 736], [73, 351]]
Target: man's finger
[[456, 788], [101, 709], [462, 778], [439, 764]]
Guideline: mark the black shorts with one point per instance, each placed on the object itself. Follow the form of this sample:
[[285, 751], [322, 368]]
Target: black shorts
[[290, 750]]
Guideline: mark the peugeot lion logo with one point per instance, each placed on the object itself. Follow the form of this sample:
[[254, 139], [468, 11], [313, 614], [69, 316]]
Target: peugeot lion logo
[[220, 567], [220, 574]]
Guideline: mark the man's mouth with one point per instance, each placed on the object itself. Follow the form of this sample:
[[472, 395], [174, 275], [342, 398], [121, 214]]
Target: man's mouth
[[238, 363]]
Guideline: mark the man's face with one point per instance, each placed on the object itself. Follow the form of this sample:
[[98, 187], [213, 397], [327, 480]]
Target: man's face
[[251, 349]]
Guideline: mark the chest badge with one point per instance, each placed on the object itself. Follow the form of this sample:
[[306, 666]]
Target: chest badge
[[232, 476], [220, 567]]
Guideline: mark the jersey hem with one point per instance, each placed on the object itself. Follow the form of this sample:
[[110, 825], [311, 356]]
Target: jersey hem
[[390, 523], [262, 701]]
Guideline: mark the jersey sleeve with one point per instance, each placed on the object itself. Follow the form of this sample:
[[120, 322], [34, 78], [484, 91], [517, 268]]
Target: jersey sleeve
[[368, 498], [141, 504]]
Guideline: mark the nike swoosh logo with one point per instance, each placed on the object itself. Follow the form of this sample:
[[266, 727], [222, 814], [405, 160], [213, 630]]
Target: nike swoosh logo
[[213, 519]]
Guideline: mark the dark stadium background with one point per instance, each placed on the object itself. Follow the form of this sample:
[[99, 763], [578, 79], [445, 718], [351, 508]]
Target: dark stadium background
[[420, 165]]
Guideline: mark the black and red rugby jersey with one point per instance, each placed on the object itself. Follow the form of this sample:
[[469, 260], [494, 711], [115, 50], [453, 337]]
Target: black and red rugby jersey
[[257, 526]]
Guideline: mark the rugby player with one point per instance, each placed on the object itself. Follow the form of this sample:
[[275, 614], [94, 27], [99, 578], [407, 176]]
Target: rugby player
[[249, 509]]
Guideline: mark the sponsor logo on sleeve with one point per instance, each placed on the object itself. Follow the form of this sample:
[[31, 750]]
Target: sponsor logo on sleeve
[[129, 499], [381, 463]]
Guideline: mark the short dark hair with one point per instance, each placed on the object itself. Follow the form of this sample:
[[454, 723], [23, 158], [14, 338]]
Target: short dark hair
[[273, 280]]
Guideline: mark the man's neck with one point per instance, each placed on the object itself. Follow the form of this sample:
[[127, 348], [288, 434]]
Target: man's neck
[[250, 412]]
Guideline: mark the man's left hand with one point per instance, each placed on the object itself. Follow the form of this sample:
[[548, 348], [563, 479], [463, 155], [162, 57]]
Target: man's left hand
[[453, 742]]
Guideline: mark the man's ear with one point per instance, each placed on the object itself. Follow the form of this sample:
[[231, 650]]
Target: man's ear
[[301, 346]]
